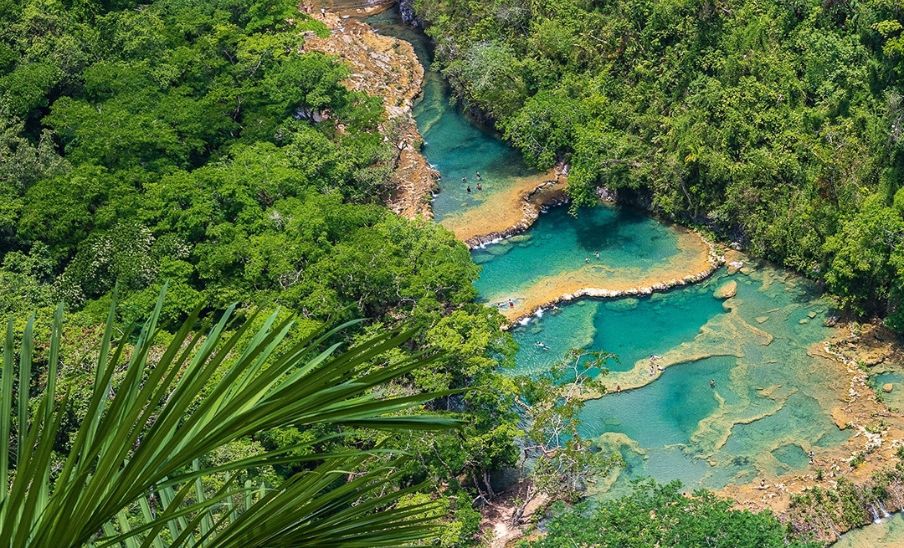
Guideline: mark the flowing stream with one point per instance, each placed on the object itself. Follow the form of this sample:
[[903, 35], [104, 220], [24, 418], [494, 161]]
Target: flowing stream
[[738, 389]]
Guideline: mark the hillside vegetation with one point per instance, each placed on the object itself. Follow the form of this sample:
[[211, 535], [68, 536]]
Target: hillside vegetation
[[777, 124], [190, 144]]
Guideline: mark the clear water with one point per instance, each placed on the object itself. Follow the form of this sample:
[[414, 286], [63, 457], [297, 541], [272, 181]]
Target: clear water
[[887, 533], [771, 400], [560, 243], [894, 399], [765, 412], [453, 144], [632, 329]]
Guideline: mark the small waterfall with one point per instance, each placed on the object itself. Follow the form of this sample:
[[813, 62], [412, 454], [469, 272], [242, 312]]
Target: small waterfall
[[877, 511], [874, 513]]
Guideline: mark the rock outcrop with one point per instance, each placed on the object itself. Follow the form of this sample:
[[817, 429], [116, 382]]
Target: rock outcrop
[[388, 68], [509, 211], [406, 8], [727, 290]]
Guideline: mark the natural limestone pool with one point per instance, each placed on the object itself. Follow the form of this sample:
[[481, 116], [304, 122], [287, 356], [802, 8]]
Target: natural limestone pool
[[741, 390], [772, 399], [453, 144]]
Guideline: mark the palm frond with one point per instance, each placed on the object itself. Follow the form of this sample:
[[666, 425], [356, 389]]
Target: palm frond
[[144, 438]]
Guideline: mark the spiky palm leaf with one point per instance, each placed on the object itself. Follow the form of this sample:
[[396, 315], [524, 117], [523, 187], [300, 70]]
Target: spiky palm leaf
[[144, 437]]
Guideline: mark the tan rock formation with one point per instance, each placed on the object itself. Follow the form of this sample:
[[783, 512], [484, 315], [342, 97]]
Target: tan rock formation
[[509, 211], [387, 68], [727, 290]]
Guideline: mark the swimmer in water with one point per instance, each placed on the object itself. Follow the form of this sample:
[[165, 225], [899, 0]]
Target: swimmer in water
[[469, 189], [479, 186], [712, 383], [479, 178]]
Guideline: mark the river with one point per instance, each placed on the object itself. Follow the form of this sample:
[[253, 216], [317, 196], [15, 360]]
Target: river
[[744, 394]]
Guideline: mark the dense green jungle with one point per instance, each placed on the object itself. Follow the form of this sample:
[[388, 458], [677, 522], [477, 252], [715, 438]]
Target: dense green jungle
[[217, 332]]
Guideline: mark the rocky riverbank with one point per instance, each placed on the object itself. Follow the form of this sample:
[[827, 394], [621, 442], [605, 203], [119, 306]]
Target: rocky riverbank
[[352, 8], [388, 68]]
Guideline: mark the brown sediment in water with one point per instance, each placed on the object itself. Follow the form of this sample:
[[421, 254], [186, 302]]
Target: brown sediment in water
[[509, 211], [388, 68], [696, 260]]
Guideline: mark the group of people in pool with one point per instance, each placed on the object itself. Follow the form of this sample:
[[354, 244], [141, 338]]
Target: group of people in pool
[[477, 176]]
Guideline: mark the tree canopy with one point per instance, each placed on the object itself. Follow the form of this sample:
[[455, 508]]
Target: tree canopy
[[776, 124], [199, 146], [660, 515]]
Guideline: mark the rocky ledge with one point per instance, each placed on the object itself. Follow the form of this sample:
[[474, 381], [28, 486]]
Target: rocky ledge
[[713, 261], [388, 68], [530, 204]]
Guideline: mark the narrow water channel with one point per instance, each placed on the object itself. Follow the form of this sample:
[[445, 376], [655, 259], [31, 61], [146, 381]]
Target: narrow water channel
[[743, 394]]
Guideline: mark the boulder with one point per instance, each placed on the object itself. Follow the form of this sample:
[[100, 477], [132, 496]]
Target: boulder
[[726, 290], [888, 387]]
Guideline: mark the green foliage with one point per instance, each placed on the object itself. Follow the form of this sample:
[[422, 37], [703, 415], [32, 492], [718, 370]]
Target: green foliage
[[868, 256], [823, 512], [199, 146], [562, 464], [145, 434], [771, 123], [660, 515]]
